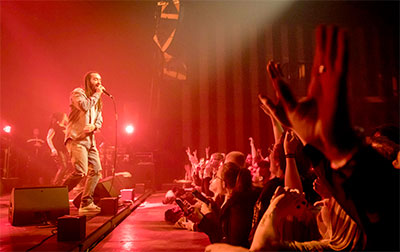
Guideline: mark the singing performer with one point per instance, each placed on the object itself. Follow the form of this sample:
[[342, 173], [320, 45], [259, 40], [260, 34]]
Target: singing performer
[[84, 119]]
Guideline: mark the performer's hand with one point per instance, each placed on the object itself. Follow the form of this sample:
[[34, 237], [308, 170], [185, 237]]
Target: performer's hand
[[54, 152], [99, 89], [89, 128]]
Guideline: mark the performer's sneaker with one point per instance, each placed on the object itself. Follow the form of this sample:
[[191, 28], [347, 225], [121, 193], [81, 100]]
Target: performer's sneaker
[[91, 208]]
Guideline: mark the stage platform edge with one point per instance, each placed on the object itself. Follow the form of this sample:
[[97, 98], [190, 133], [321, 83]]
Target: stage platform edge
[[99, 231]]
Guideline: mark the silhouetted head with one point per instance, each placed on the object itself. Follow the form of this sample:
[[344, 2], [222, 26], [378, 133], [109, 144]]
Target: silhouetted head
[[236, 157], [229, 174]]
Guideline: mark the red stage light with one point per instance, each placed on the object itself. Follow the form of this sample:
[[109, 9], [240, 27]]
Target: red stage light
[[7, 129], [129, 129]]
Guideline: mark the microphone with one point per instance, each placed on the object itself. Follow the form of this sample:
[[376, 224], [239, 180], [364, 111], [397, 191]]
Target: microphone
[[105, 92]]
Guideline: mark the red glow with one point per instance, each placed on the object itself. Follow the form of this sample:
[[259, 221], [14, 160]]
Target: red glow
[[129, 129], [7, 129]]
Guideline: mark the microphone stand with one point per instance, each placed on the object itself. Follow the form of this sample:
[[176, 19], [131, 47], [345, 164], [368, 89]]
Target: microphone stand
[[115, 142]]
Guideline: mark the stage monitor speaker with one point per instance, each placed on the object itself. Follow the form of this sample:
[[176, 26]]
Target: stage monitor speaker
[[71, 228], [37, 205], [107, 188]]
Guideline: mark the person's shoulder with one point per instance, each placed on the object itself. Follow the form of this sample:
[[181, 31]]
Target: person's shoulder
[[78, 90], [277, 181], [271, 186], [237, 197], [273, 182], [248, 195]]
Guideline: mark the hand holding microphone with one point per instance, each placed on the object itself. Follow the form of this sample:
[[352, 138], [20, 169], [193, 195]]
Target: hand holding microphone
[[103, 90]]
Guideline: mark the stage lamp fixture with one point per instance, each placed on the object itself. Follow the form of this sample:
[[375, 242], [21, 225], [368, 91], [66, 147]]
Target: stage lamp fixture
[[129, 129], [7, 129]]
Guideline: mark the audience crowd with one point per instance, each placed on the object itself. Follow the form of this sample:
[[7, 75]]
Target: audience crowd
[[322, 186]]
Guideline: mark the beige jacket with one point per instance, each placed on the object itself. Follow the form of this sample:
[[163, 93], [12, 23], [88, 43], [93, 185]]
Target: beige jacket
[[83, 112]]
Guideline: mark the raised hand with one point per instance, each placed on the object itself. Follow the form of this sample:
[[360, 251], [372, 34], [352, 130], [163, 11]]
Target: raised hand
[[251, 140], [320, 119], [290, 142], [188, 151], [321, 189]]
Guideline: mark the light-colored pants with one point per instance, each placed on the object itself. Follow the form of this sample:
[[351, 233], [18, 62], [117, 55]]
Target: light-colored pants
[[86, 162]]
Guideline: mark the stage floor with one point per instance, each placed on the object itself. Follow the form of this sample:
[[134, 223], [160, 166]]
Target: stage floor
[[139, 227], [146, 230]]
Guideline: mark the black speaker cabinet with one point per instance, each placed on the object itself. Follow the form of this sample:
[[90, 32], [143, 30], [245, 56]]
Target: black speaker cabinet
[[106, 188], [37, 205], [144, 173], [109, 206], [71, 228]]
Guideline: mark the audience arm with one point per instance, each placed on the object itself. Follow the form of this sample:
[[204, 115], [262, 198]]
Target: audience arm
[[292, 177]]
